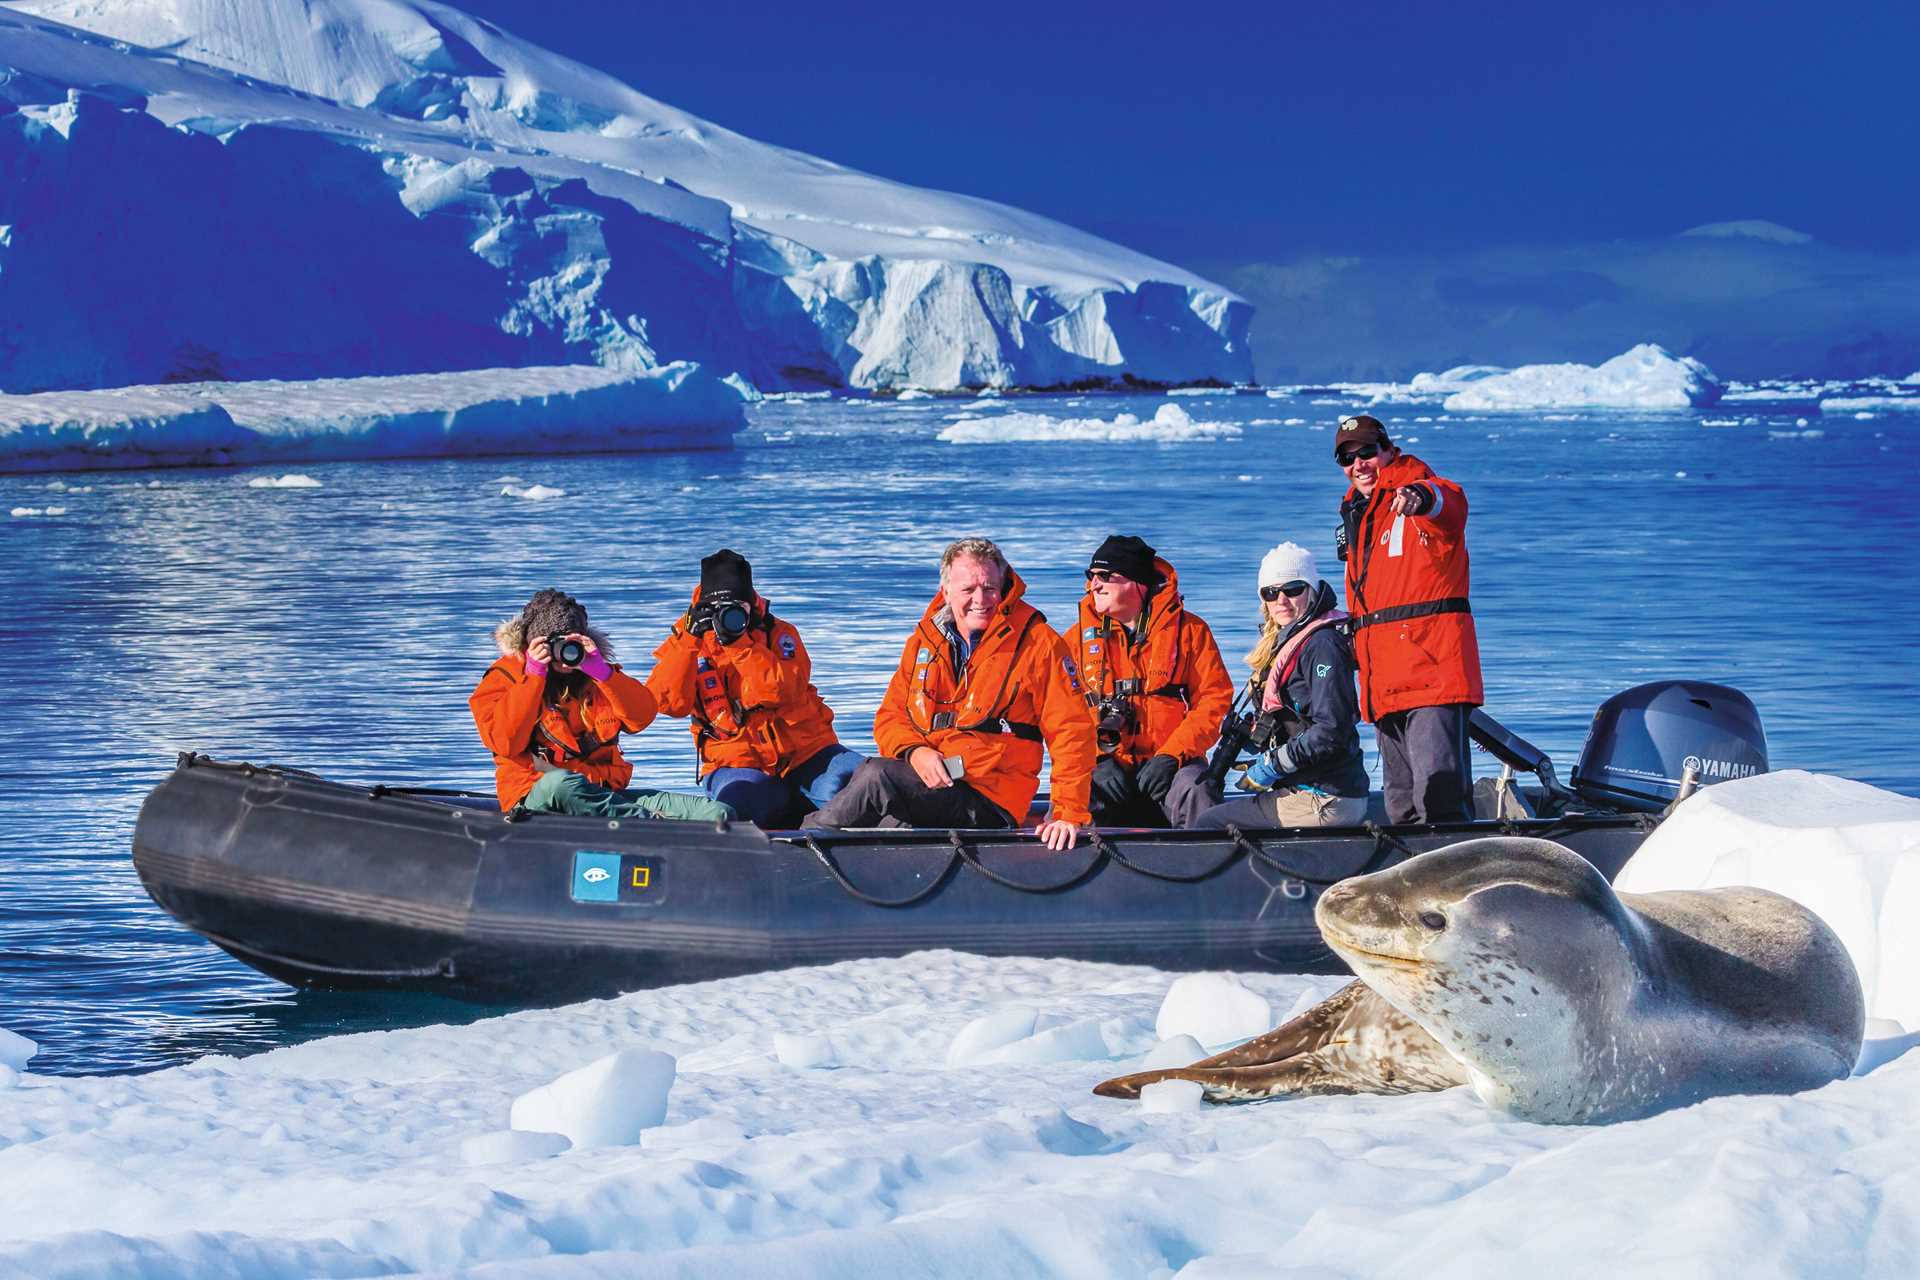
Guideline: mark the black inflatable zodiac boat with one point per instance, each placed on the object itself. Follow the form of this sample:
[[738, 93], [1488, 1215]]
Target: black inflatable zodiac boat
[[321, 884]]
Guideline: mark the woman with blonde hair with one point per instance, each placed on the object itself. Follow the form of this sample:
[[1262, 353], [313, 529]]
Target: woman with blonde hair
[[1312, 773]]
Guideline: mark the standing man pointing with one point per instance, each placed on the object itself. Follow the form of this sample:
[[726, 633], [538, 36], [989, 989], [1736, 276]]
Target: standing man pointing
[[1403, 535]]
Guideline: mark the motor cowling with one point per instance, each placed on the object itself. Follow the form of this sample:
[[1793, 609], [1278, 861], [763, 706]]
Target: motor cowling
[[1643, 741]]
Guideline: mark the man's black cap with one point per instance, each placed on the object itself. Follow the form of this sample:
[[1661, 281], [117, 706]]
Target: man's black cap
[[726, 571], [1128, 556]]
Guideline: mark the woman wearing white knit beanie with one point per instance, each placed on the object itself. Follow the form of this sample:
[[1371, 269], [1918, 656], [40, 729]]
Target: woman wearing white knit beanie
[[1312, 774]]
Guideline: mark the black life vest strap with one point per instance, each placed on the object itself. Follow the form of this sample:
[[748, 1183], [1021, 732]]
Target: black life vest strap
[[1401, 612], [558, 752], [1017, 728]]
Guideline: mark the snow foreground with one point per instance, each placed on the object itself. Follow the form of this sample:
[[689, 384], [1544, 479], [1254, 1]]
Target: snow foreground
[[390, 186], [1645, 377], [578, 409], [930, 1116]]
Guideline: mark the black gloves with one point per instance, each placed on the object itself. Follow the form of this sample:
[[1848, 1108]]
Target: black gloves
[[1155, 778], [1416, 500]]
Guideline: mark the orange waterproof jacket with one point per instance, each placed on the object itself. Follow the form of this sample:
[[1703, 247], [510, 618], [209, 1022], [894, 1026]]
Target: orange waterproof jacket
[[1019, 686], [1407, 591], [1184, 691], [752, 702], [582, 734]]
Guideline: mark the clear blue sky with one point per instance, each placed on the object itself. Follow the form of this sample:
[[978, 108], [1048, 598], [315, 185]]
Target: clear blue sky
[[1223, 133]]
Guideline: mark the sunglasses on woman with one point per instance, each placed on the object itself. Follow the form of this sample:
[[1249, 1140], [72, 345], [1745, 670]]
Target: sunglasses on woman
[[1350, 456], [1291, 590]]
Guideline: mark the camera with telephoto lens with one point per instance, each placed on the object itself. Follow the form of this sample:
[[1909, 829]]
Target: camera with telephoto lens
[[1256, 733], [1114, 716], [564, 652], [724, 614]]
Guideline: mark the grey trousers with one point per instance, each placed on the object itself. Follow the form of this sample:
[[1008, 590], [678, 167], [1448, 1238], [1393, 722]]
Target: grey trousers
[[1425, 770]]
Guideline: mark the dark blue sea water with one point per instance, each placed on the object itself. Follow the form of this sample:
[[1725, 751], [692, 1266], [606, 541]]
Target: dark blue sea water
[[340, 628]]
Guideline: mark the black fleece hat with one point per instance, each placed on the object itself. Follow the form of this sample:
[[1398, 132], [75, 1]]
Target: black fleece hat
[[1361, 428], [1129, 556], [726, 571]]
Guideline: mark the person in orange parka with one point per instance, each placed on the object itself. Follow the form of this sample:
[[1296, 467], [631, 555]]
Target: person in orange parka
[[764, 736], [1403, 534], [554, 725], [1157, 687], [983, 683]]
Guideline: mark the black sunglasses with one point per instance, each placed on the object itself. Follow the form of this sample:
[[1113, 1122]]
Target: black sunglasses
[[1350, 456], [1106, 575], [1290, 590]]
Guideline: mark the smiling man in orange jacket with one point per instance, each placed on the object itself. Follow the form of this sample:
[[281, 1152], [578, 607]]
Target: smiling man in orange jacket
[[983, 684], [1403, 534]]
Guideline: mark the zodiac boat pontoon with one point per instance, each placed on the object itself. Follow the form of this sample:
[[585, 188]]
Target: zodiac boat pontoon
[[322, 884]]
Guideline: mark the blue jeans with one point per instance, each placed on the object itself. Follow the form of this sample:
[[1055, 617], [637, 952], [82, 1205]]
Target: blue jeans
[[780, 803]]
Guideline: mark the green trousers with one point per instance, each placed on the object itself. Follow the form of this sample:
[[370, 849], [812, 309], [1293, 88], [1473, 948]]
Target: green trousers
[[567, 792]]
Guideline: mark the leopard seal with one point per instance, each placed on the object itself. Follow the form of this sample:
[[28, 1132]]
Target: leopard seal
[[1512, 966]]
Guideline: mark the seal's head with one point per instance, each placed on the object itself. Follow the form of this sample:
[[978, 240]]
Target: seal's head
[[1504, 949]]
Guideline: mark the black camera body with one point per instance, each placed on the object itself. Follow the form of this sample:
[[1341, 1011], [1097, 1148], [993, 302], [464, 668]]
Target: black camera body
[[1251, 732], [1114, 716], [724, 614], [564, 652]]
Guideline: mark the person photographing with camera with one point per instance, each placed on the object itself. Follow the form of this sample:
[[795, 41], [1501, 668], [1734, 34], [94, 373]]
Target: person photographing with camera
[[1403, 535], [1157, 686], [552, 708], [983, 686], [1308, 769], [763, 734]]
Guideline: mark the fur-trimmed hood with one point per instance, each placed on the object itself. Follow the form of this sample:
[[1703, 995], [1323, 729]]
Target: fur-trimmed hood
[[511, 638]]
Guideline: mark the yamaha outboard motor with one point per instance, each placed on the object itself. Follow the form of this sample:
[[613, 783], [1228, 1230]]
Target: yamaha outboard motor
[[1644, 741]]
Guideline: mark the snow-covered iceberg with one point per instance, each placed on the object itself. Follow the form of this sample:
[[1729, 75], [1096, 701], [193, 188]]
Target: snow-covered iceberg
[[331, 187], [1646, 377], [570, 409]]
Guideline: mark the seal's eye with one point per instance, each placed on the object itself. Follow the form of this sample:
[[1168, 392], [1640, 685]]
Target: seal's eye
[[1433, 920]]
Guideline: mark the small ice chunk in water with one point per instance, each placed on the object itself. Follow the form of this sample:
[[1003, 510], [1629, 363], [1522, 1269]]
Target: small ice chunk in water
[[1171, 1095], [289, 481], [15, 1050], [1180, 1051], [511, 1146], [796, 1050], [532, 493], [1002, 1026], [603, 1104], [1213, 1008]]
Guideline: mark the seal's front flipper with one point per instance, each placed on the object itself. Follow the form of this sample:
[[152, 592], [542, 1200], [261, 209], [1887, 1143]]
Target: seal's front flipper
[[1317, 1026]]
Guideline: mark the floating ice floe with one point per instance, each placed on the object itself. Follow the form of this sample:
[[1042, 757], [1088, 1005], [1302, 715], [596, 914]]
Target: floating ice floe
[[1868, 405], [1645, 377], [547, 410], [1170, 424], [1458, 378], [532, 492], [292, 480], [28, 513]]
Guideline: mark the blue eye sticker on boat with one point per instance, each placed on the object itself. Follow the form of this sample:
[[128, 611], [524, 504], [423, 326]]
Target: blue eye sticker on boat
[[596, 876], [603, 876]]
